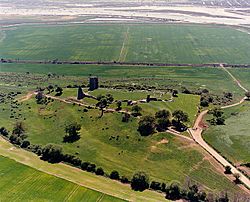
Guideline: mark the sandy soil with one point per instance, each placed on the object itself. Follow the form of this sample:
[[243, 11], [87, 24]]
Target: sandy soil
[[138, 12]]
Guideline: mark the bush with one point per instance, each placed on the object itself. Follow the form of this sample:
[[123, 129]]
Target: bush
[[140, 181], [124, 180], [114, 175], [91, 167], [163, 114], [52, 153], [4, 131], [25, 144], [162, 124], [99, 171], [173, 192], [84, 165], [227, 170], [136, 110], [76, 161], [155, 185]]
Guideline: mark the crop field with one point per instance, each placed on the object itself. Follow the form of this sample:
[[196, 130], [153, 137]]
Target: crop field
[[20, 182], [232, 139], [134, 43], [193, 78]]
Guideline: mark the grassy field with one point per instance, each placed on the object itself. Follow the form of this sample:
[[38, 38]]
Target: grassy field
[[110, 143], [152, 43], [242, 74], [233, 139], [20, 182], [214, 79]]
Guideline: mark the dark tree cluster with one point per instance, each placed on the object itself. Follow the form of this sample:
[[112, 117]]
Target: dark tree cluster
[[59, 91], [136, 110], [218, 118], [72, 132]]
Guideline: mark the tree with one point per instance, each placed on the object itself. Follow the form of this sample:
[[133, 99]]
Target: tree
[[25, 144], [155, 185], [102, 104], [91, 167], [146, 125], [220, 121], [162, 124], [40, 98], [59, 91], [84, 165], [140, 181], [247, 94], [216, 112], [114, 175], [173, 192], [52, 153], [136, 110], [72, 132], [180, 116], [227, 170], [166, 114], [124, 180], [18, 128], [4, 131], [99, 171], [119, 105]]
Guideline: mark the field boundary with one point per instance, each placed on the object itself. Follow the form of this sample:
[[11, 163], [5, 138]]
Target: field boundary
[[118, 63]]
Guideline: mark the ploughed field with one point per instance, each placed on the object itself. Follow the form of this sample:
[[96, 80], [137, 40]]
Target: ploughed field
[[130, 43], [22, 183]]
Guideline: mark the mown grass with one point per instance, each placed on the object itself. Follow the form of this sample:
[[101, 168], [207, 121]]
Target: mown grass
[[232, 139], [22, 183], [143, 43], [111, 144]]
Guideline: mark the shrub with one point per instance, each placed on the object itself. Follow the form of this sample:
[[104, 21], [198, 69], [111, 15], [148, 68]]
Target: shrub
[[4, 131], [25, 144], [124, 180], [140, 181], [173, 192], [155, 185], [114, 175], [99, 171], [52, 153], [227, 170], [84, 165], [91, 167]]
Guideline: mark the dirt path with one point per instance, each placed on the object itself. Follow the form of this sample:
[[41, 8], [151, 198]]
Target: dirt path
[[197, 129], [234, 79], [123, 52]]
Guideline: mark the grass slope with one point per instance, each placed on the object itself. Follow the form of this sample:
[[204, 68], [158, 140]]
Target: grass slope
[[111, 144], [20, 182], [152, 43]]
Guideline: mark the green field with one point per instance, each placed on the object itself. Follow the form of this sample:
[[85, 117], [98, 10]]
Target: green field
[[22, 183], [193, 78], [139, 43], [233, 139]]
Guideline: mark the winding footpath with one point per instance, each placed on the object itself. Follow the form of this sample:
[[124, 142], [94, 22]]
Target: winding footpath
[[196, 133]]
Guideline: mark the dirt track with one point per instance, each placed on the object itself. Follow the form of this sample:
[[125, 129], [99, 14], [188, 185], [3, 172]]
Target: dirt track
[[196, 133]]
